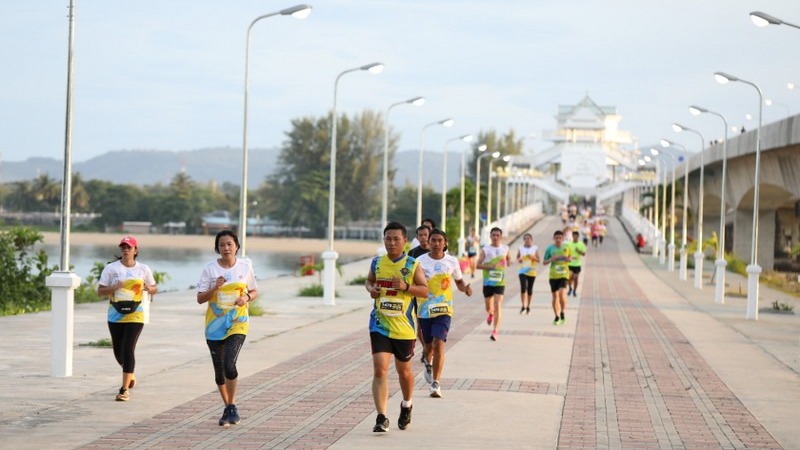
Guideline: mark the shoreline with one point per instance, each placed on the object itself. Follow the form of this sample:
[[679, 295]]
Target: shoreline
[[258, 243]]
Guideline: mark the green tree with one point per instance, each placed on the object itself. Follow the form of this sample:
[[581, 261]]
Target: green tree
[[23, 273]]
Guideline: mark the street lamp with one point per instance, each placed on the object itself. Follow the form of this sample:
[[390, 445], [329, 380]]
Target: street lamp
[[761, 19], [720, 263], [466, 138], [682, 269], [416, 101], [481, 148], [329, 256], [769, 102], [671, 246], [698, 255], [445, 123], [506, 159], [299, 12], [495, 155], [753, 270], [656, 241]]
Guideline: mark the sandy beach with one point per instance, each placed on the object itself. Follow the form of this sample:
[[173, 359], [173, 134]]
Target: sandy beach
[[345, 247]]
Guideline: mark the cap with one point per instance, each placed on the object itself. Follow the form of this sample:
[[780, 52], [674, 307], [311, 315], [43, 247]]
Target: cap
[[128, 240]]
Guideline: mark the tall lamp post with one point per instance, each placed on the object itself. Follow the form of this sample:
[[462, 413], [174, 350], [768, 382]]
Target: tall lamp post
[[495, 155], [462, 241], [761, 19], [753, 270], [720, 263], [416, 101], [656, 231], [466, 138], [445, 123], [329, 256], [671, 246], [299, 12], [683, 264], [698, 255], [481, 148]]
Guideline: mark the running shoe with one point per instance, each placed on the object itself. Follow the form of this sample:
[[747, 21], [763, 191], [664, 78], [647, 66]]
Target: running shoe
[[493, 336], [562, 321], [522, 311], [435, 390], [381, 424], [428, 372], [489, 319], [555, 322], [233, 415], [223, 421], [569, 292], [123, 395], [405, 417], [528, 311]]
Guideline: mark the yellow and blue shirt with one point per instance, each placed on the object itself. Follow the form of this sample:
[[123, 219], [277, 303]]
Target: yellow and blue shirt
[[495, 255], [558, 269], [528, 254], [394, 312], [133, 280], [441, 275], [223, 317]]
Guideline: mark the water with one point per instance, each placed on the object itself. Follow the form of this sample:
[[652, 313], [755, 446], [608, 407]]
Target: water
[[183, 265]]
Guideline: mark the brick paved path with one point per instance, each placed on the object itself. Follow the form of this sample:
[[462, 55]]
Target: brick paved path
[[309, 401], [636, 382]]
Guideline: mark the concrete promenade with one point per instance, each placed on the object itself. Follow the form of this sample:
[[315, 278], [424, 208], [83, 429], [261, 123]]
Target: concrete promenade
[[644, 361]]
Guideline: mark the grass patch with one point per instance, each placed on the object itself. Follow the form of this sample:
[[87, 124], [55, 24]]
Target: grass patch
[[782, 307], [313, 290], [358, 281], [102, 343], [255, 309]]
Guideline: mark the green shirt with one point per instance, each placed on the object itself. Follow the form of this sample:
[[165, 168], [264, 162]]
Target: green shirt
[[574, 248]]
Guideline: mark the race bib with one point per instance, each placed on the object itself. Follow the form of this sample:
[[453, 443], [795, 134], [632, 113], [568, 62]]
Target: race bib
[[496, 275], [227, 300], [390, 306], [128, 298], [438, 309], [560, 270]]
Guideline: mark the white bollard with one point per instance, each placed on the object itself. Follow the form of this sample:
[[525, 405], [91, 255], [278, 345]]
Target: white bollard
[[698, 270], [62, 300], [719, 279], [329, 277], [753, 272]]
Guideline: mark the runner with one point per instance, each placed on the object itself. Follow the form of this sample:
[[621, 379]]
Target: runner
[[577, 249], [473, 246], [558, 255], [436, 312], [393, 281], [528, 256], [423, 246], [493, 260]]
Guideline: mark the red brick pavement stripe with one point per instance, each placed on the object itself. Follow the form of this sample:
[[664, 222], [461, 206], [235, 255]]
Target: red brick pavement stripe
[[309, 401], [636, 382]]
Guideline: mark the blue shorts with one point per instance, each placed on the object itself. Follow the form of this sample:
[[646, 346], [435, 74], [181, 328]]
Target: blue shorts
[[436, 327]]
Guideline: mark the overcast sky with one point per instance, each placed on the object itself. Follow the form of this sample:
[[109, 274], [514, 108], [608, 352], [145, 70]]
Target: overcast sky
[[168, 75]]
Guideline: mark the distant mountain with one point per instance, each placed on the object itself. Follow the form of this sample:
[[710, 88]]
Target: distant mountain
[[146, 167]]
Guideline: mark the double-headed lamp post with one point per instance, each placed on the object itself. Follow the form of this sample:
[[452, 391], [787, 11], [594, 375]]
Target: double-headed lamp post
[[416, 101], [495, 155], [445, 123], [329, 256], [761, 19], [683, 264], [671, 246], [720, 263], [466, 138], [299, 12], [698, 255], [753, 270]]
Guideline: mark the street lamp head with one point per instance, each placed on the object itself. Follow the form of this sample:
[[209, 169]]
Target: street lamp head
[[641, 162], [416, 101], [666, 143], [482, 148], [791, 86], [447, 123], [496, 155], [696, 110], [507, 158], [761, 19], [654, 151], [647, 158], [297, 11], [467, 138], [724, 78], [375, 67], [768, 102], [677, 127]]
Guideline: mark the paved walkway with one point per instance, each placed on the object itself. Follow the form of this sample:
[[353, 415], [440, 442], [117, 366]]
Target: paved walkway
[[644, 361]]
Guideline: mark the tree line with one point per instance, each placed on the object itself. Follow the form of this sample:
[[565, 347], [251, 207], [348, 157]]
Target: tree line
[[295, 195]]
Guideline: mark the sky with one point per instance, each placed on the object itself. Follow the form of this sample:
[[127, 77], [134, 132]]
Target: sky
[[169, 75]]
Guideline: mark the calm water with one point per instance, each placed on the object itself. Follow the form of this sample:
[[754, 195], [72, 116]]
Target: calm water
[[181, 264]]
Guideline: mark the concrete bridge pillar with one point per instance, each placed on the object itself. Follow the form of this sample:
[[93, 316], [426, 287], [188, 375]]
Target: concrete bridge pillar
[[743, 233]]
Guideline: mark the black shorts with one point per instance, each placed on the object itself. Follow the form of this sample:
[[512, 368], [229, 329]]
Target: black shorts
[[558, 283], [489, 291], [471, 254], [402, 349], [575, 269]]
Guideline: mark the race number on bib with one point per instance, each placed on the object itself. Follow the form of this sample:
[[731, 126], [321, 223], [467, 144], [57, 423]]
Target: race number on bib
[[438, 309], [390, 306], [227, 300], [496, 275]]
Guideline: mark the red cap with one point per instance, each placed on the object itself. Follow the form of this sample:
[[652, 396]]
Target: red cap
[[130, 241]]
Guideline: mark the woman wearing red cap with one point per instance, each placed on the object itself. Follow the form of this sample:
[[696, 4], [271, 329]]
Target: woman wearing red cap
[[123, 282]]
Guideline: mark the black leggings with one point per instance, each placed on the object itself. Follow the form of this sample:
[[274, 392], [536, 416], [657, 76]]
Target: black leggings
[[526, 284], [224, 354], [123, 338]]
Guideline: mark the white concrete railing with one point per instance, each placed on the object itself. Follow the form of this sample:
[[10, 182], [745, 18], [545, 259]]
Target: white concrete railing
[[515, 222], [640, 224]]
